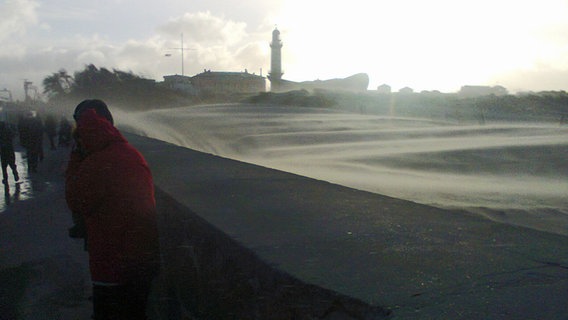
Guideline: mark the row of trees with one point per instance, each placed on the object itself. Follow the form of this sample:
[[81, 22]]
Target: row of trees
[[120, 88]]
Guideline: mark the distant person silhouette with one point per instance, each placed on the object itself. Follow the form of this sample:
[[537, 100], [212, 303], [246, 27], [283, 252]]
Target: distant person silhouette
[[7, 154], [51, 129], [31, 138], [64, 133], [109, 184]]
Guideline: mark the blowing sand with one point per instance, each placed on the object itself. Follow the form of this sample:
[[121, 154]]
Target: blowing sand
[[515, 173]]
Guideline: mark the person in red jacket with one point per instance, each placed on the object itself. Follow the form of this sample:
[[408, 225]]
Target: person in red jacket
[[109, 184]]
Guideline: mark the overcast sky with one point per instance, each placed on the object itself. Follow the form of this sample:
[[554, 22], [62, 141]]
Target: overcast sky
[[426, 45]]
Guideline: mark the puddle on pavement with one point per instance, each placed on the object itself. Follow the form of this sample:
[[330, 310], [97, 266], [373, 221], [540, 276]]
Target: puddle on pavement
[[25, 188]]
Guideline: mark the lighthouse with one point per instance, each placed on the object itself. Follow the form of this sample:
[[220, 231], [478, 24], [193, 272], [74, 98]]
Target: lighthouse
[[275, 74]]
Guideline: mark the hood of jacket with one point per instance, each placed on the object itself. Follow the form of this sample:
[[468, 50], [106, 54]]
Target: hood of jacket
[[96, 132]]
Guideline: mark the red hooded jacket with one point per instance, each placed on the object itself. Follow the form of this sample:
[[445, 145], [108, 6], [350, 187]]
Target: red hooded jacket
[[111, 186]]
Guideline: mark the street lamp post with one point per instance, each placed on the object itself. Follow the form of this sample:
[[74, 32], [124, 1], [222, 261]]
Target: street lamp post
[[182, 48]]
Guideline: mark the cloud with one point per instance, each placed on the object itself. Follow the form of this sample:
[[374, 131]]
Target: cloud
[[146, 58], [205, 29], [426, 47], [541, 78], [252, 55], [95, 57], [213, 42], [17, 17]]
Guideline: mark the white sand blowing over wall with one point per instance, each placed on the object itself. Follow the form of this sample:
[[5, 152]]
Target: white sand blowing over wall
[[515, 173]]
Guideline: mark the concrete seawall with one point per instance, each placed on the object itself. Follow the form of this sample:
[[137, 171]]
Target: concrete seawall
[[245, 242], [208, 275]]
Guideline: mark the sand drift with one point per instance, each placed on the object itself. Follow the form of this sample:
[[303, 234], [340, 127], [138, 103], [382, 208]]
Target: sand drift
[[511, 172]]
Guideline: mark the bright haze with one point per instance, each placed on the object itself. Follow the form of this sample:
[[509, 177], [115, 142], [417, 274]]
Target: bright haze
[[426, 45]]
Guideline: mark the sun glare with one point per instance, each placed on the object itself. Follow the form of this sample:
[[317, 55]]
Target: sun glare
[[437, 43]]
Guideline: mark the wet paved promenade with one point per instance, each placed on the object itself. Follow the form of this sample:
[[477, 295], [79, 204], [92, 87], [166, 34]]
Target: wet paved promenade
[[44, 274]]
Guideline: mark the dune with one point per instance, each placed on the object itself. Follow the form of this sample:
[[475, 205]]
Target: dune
[[516, 169]]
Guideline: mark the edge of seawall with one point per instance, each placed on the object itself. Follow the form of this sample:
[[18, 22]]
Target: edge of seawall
[[208, 275], [316, 249]]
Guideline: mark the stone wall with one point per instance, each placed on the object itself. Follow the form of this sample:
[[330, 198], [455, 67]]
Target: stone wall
[[208, 275]]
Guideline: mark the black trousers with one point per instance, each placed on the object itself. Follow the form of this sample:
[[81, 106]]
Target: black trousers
[[122, 302], [8, 158]]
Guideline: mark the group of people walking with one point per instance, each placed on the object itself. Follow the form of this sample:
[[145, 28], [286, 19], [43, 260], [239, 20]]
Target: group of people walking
[[109, 190], [110, 193], [30, 130]]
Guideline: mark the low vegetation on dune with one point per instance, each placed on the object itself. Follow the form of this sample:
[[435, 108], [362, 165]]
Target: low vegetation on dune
[[131, 92]]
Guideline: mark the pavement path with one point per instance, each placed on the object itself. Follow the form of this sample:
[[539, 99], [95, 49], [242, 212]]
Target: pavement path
[[44, 273]]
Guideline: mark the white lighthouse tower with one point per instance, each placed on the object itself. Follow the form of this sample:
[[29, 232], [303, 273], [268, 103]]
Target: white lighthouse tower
[[275, 74]]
